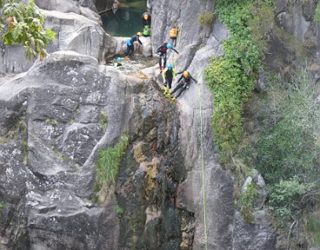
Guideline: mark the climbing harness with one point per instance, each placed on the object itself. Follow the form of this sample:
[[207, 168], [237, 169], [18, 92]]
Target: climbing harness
[[204, 194]]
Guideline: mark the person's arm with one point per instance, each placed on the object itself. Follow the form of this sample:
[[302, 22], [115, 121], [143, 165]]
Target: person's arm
[[193, 79], [180, 72], [179, 79], [175, 50], [158, 49], [139, 41]]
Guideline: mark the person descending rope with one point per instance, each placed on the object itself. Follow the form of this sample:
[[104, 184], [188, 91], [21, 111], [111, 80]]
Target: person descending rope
[[173, 33], [183, 83], [162, 51], [146, 23], [130, 46], [168, 75]]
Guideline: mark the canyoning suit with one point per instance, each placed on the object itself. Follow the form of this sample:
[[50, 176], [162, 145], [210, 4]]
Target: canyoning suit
[[168, 75], [173, 33], [162, 51], [146, 23], [182, 84], [130, 46]]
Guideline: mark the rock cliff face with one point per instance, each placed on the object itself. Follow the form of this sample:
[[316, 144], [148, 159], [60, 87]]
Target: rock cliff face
[[171, 192], [197, 44]]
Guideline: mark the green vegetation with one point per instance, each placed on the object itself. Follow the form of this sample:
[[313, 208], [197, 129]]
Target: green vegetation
[[206, 18], [313, 226], [246, 202], [287, 147], [22, 23], [317, 13], [103, 120], [285, 198], [231, 77], [119, 211], [108, 164], [284, 145], [52, 122]]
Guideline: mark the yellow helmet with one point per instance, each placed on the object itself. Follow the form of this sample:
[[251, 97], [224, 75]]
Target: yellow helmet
[[185, 74], [139, 34], [145, 17]]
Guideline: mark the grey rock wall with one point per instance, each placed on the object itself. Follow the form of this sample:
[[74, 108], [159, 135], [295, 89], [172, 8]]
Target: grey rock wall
[[52, 114], [208, 189], [86, 8]]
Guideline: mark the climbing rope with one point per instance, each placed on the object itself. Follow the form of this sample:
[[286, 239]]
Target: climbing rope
[[204, 195]]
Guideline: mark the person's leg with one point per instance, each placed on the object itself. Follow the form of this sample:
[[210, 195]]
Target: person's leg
[[181, 90], [169, 81], [166, 83], [128, 51], [160, 62], [176, 88]]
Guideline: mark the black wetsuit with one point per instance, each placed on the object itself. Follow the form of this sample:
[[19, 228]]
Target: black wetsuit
[[146, 22], [130, 46], [183, 84], [162, 51], [168, 76]]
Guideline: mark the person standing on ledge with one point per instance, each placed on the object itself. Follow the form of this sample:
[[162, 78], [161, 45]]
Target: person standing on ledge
[[130, 46], [173, 33], [168, 75], [146, 23], [162, 52]]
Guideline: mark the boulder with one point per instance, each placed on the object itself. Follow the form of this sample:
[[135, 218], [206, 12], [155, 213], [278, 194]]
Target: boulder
[[74, 32], [82, 7], [258, 235]]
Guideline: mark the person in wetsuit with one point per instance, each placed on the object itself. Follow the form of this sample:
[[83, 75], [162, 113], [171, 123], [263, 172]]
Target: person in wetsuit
[[168, 75], [173, 33], [183, 83], [130, 46], [162, 51], [146, 19]]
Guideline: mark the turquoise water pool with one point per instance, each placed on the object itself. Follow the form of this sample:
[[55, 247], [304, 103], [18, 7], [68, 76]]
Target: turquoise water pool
[[127, 20]]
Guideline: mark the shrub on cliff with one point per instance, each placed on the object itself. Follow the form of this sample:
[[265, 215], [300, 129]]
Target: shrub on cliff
[[22, 23]]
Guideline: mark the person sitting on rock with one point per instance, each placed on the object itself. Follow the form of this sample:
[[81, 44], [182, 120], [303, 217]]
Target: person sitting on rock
[[168, 75], [173, 33], [130, 46], [162, 51], [183, 83]]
